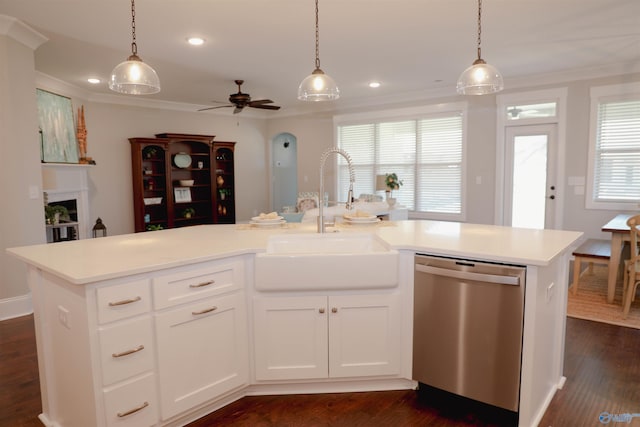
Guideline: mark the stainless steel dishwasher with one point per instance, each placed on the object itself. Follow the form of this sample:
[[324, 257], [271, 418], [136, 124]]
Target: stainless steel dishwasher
[[467, 331]]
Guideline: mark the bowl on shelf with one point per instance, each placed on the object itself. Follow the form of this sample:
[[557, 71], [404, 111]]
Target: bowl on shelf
[[186, 182]]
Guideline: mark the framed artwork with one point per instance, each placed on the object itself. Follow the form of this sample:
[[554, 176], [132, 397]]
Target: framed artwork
[[57, 130], [182, 194]]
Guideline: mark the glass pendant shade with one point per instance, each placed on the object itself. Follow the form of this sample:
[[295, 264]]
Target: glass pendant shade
[[480, 79], [134, 77], [318, 86]]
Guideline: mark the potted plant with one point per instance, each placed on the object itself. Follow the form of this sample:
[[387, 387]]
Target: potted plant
[[55, 213], [393, 183], [149, 152], [188, 213]]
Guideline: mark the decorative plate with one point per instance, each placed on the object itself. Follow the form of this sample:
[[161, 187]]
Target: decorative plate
[[268, 223], [182, 160], [367, 222], [259, 220], [365, 219]]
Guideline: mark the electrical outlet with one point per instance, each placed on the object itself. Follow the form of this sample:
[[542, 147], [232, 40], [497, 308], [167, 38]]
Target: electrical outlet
[[64, 316]]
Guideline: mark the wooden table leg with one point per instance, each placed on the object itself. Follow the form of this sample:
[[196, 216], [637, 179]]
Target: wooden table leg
[[614, 264]]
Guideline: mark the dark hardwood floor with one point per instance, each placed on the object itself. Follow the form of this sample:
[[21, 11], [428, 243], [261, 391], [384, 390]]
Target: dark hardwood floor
[[601, 366]]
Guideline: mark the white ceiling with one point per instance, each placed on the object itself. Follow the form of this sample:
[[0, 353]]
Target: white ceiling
[[413, 47]]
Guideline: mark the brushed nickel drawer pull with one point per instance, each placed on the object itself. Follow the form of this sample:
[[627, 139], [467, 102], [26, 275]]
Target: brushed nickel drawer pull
[[206, 310], [124, 301], [133, 411], [126, 352], [199, 285]]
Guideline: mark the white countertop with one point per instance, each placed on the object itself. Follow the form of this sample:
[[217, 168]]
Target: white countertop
[[90, 260]]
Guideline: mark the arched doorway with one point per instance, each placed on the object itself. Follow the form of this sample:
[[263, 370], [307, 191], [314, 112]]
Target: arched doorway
[[284, 167]]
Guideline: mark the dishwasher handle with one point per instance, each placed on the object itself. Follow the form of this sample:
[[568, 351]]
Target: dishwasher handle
[[468, 275]]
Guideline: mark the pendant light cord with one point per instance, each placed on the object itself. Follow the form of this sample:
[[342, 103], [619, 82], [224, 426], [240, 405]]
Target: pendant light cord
[[317, 39], [479, 26], [134, 46]]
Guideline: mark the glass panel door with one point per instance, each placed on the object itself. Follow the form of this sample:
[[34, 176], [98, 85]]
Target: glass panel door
[[530, 189]]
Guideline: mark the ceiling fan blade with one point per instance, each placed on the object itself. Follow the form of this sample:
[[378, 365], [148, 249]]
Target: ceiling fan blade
[[266, 107], [260, 101], [213, 108]]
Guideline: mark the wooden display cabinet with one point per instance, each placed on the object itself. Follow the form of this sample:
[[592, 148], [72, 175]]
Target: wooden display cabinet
[[225, 211], [181, 180]]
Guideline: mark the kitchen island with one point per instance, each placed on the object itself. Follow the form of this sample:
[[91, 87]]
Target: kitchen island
[[161, 328]]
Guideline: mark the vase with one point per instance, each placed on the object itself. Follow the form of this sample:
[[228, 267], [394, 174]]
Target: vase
[[391, 202]]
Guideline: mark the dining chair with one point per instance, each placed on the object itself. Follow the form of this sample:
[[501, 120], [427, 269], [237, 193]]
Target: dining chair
[[631, 266]]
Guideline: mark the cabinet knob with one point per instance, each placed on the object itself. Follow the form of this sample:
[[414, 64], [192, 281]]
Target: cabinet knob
[[321, 310], [334, 310]]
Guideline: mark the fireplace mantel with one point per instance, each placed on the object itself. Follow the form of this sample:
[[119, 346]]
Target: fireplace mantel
[[67, 181]]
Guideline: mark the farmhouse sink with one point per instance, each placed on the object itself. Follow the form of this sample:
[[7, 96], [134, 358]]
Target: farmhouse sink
[[326, 262]]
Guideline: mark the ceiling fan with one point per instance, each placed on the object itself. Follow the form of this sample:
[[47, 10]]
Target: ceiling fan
[[240, 100]]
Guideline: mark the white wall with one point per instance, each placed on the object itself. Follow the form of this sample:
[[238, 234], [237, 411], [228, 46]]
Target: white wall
[[315, 135], [576, 216], [22, 214], [109, 127]]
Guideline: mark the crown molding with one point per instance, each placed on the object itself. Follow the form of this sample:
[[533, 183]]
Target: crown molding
[[21, 32]]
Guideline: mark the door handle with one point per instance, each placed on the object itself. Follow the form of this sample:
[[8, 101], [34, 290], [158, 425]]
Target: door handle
[[552, 197]]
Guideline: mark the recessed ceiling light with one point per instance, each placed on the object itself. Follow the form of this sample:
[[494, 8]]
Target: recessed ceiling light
[[93, 80], [195, 41], [374, 84]]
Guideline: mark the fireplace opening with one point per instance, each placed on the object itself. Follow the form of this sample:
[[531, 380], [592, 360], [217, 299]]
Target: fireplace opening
[[61, 220]]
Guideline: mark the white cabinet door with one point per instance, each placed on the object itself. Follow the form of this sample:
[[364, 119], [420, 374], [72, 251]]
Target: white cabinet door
[[364, 335], [290, 337], [202, 352], [319, 337]]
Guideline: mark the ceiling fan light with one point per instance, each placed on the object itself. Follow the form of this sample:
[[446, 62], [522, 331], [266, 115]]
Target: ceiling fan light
[[480, 79], [134, 77], [318, 86]]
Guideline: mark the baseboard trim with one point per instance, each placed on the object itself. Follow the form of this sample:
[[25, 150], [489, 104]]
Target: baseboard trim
[[15, 307]]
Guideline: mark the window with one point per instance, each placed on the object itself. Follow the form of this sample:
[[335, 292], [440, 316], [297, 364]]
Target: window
[[425, 150], [614, 152]]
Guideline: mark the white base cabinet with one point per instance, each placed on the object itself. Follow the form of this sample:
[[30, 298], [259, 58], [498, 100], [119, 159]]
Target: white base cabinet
[[202, 352], [143, 350], [336, 336]]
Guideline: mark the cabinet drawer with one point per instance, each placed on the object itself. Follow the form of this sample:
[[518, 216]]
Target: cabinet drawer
[[134, 404], [197, 283], [121, 301], [126, 350]]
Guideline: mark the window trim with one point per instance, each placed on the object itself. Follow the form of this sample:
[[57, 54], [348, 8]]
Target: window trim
[[414, 113], [598, 94]]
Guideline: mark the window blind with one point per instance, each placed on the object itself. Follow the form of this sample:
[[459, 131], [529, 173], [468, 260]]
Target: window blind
[[617, 152], [425, 153]]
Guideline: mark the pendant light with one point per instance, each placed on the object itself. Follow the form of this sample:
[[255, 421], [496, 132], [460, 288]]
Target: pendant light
[[134, 77], [481, 78], [318, 86]]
